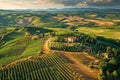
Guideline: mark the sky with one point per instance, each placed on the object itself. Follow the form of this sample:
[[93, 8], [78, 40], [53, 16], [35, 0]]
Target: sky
[[45, 4]]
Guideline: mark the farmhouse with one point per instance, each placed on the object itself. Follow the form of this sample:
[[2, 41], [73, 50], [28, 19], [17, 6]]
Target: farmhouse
[[70, 39]]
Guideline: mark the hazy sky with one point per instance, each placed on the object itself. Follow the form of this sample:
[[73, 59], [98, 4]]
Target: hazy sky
[[43, 4]]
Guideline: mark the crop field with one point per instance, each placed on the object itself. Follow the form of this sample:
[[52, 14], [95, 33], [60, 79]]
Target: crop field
[[82, 59], [47, 67], [60, 44]]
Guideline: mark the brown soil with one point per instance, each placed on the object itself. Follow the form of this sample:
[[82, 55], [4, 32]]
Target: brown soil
[[45, 48], [86, 72], [100, 22]]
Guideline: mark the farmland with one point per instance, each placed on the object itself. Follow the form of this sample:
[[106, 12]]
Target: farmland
[[20, 45], [49, 66], [105, 32], [60, 45]]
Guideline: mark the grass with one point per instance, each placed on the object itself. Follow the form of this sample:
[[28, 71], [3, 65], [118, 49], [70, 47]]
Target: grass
[[33, 48], [60, 30], [112, 32], [17, 46], [108, 33], [13, 38]]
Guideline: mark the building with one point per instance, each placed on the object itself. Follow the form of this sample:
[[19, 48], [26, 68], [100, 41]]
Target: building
[[71, 39]]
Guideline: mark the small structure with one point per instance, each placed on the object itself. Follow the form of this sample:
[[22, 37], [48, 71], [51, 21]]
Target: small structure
[[70, 39]]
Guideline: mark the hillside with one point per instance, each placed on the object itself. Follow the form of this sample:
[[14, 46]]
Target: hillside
[[60, 44]]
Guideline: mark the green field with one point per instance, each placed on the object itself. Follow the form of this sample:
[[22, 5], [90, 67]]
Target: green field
[[113, 33], [17, 46], [59, 45]]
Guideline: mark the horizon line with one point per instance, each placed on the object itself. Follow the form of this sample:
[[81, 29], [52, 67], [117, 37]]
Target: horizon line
[[58, 8]]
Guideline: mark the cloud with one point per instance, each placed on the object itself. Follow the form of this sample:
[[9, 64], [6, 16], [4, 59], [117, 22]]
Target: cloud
[[28, 4], [24, 4], [104, 3], [67, 2], [94, 3], [88, 3]]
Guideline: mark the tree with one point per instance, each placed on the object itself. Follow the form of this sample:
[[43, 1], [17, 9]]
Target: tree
[[115, 74], [103, 66]]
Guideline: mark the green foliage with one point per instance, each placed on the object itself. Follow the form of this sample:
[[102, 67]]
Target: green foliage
[[4, 32], [96, 46], [110, 69], [103, 65], [115, 74], [91, 65], [62, 45], [36, 22], [101, 77], [14, 44], [17, 46], [37, 30]]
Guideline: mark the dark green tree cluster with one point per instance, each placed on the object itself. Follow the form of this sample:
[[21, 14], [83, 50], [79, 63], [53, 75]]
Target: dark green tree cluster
[[97, 45], [109, 69], [65, 47], [37, 30]]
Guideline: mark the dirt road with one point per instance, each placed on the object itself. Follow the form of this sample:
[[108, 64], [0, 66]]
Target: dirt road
[[86, 72]]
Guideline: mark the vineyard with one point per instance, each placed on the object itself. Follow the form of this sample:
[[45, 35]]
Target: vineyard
[[46, 67], [63, 44], [82, 59]]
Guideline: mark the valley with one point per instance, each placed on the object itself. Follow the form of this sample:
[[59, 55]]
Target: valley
[[60, 45]]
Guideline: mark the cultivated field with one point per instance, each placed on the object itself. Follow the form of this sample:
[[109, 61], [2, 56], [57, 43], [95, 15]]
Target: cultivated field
[[59, 45]]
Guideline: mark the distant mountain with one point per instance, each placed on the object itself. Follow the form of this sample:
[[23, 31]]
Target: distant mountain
[[63, 9], [82, 9]]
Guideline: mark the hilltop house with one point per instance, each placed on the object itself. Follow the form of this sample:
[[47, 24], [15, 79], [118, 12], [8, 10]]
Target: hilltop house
[[70, 39]]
